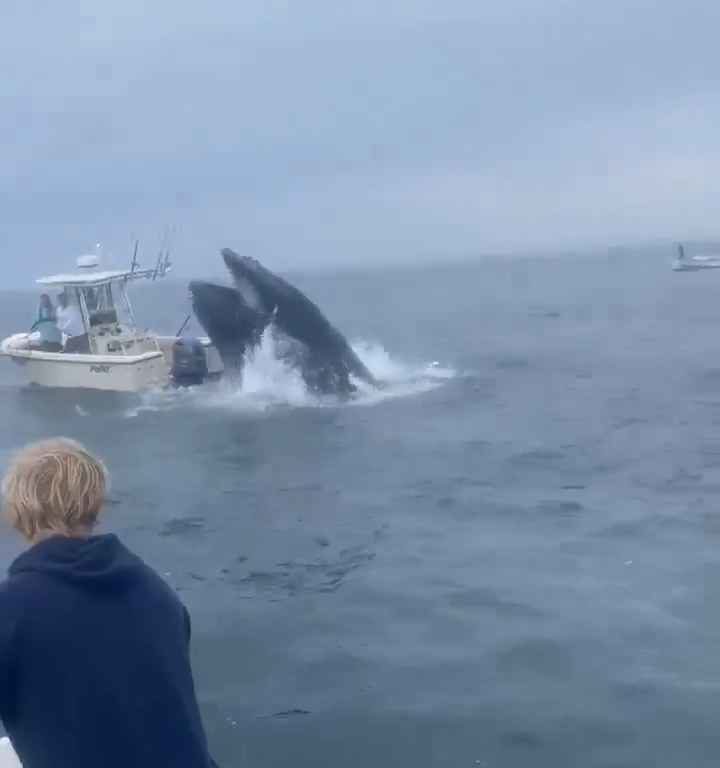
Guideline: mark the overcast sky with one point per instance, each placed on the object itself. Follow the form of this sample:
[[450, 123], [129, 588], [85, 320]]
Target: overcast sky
[[327, 132]]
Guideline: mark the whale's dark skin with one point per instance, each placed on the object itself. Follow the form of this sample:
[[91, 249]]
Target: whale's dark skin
[[235, 318], [297, 316], [232, 325]]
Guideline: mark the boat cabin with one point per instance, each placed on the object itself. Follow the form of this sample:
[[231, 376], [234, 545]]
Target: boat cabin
[[95, 312]]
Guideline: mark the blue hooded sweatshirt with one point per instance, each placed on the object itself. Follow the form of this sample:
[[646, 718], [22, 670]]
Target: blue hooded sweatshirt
[[94, 661]]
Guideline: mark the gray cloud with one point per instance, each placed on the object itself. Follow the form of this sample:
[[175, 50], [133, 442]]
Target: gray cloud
[[322, 132]]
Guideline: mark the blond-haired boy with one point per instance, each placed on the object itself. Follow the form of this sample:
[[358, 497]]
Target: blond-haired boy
[[94, 645]]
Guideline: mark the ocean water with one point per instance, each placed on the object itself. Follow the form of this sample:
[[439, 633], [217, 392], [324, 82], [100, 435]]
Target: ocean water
[[508, 557]]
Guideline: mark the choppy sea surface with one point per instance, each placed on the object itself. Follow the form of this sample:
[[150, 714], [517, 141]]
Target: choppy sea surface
[[508, 557]]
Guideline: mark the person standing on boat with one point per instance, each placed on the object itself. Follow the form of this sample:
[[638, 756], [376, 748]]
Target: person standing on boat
[[46, 335], [70, 322], [94, 645], [46, 310]]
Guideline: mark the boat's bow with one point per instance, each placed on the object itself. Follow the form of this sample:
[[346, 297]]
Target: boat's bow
[[14, 343]]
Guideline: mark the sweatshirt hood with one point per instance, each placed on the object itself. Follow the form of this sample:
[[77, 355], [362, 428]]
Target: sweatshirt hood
[[97, 562]]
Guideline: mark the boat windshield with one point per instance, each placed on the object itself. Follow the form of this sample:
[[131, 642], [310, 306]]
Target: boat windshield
[[102, 306], [99, 298], [109, 303]]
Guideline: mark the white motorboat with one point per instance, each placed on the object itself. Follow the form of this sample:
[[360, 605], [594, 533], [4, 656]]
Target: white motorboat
[[113, 353], [695, 263]]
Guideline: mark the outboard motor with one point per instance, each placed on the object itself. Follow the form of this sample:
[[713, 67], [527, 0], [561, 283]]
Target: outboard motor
[[189, 366]]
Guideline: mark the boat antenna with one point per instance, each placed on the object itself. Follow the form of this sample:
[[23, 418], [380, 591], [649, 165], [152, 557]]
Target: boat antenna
[[163, 263], [167, 264], [134, 265]]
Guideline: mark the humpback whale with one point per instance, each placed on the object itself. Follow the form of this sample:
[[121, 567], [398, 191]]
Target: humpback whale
[[232, 325], [235, 318]]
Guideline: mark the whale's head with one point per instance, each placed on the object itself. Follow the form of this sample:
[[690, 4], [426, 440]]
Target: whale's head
[[261, 288]]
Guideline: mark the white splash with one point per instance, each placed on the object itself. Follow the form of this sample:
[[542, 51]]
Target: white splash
[[268, 382], [397, 378]]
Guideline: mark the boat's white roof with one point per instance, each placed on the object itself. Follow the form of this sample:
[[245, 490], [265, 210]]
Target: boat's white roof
[[82, 279]]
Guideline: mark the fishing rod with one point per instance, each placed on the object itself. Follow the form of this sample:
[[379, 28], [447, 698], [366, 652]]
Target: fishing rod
[[184, 325], [134, 264]]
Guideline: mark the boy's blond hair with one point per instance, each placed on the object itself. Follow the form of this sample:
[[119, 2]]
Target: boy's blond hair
[[54, 486]]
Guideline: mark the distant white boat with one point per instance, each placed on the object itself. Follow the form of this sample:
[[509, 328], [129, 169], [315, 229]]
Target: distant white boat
[[685, 263]]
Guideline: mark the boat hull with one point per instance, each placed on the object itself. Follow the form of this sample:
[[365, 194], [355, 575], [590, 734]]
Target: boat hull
[[99, 372], [148, 370]]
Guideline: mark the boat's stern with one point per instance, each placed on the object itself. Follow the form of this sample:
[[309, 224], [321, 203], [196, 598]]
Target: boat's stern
[[183, 353]]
